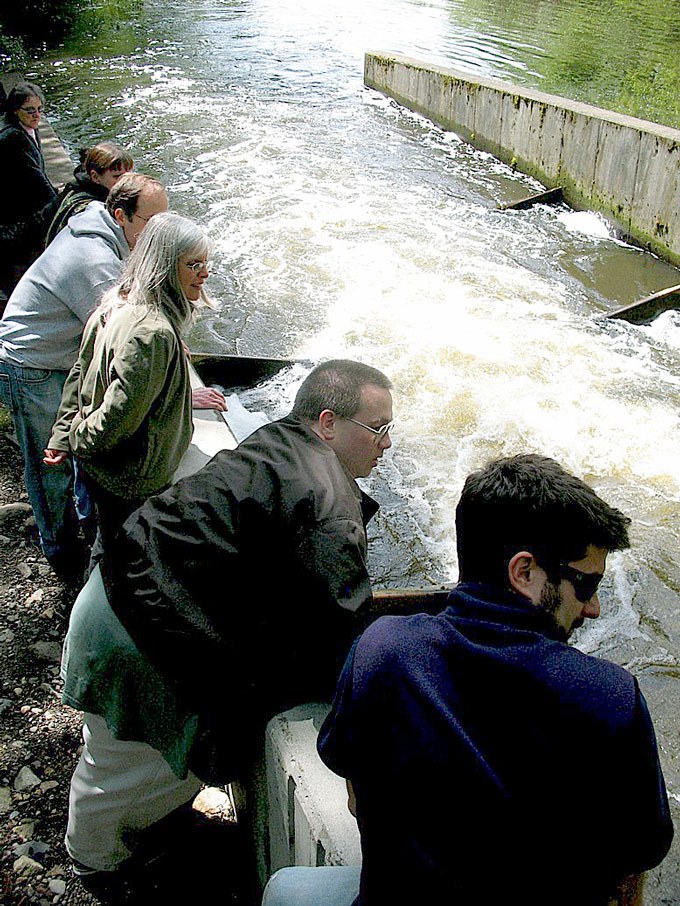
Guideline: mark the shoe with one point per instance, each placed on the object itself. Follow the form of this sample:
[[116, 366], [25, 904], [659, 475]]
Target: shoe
[[108, 887]]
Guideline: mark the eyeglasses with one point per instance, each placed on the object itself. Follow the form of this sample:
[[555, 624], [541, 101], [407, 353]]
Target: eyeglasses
[[32, 110], [198, 266], [145, 219], [585, 584], [380, 432]]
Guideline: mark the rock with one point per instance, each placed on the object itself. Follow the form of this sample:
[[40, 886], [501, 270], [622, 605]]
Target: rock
[[5, 800], [35, 598], [25, 780], [5, 703], [47, 651], [24, 865], [4, 539], [215, 803], [48, 785], [31, 848], [24, 570], [57, 886], [26, 830], [7, 510]]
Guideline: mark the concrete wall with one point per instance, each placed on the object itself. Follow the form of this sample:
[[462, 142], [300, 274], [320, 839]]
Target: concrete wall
[[626, 168], [309, 822], [297, 807]]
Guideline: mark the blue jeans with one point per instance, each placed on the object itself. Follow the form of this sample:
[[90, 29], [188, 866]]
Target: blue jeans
[[332, 885], [32, 396]]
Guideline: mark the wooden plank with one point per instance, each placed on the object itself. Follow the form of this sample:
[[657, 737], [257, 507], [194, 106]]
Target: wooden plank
[[404, 601], [644, 311], [550, 196], [236, 372]]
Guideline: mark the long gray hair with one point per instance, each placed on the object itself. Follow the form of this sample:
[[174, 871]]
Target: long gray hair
[[151, 274]]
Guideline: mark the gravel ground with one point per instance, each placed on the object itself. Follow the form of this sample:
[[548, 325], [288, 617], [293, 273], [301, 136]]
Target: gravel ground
[[199, 854]]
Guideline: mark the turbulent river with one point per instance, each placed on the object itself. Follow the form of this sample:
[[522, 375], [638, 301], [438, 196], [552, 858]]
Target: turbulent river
[[344, 225]]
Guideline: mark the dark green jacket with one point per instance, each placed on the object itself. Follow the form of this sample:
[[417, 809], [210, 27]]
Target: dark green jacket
[[126, 406]]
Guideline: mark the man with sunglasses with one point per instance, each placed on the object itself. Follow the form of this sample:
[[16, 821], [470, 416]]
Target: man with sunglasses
[[233, 595], [488, 761]]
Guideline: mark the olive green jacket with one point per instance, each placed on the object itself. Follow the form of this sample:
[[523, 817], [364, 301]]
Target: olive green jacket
[[126, 407]]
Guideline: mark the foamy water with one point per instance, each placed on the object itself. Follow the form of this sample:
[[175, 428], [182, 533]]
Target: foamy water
[[344, 225]]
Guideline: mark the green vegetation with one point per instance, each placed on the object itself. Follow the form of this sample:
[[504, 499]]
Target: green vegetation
[[618, 54], [33, 22], [5, 420], [29, 26]]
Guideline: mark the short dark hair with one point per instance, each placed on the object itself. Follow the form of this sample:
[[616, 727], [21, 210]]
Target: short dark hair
[[336, 385], [18, 96], [125, 193], [529, 502]]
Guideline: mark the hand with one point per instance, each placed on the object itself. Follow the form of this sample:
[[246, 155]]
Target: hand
[[208, 398], [54, 457]]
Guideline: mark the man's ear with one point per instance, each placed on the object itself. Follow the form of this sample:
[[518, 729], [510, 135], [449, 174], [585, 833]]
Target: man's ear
[[525, 576], [326, 424], [119, 216]]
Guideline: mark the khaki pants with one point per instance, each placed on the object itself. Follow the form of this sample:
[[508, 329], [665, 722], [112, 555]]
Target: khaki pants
[[118, 787]]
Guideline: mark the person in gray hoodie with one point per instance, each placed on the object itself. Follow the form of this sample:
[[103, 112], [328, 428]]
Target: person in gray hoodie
[[40, 335]]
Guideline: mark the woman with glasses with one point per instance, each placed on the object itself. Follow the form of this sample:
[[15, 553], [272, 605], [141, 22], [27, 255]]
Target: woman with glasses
[[126, 408], [28, 196], [99, 170]]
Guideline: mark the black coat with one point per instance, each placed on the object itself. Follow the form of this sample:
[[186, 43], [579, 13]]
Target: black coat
[[243, 584], [27, 198]]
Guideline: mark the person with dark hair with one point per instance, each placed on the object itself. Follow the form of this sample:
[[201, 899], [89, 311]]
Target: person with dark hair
[[533, 768], [99, 169], [166, 664], [40, 335], [28, 196]]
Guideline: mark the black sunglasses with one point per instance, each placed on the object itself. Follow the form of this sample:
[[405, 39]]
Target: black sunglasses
[[585, 584]]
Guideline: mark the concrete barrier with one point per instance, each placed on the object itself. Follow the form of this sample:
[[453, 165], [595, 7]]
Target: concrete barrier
[[294, 808], [625, 168], [309, 822]]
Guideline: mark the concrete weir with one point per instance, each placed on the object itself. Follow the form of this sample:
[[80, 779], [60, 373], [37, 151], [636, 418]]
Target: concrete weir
[[625, 168]]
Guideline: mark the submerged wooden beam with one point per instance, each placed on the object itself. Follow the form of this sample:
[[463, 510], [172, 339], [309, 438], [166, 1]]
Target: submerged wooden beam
[[550, 196], [644, 311], [404, 601]]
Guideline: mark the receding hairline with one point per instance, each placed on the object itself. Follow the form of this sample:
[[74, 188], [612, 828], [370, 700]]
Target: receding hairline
[[150, 190], [337, 385]]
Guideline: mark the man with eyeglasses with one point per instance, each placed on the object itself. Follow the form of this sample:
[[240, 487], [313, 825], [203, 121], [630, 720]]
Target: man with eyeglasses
[[487, 761], [231, 596], [40, 335]]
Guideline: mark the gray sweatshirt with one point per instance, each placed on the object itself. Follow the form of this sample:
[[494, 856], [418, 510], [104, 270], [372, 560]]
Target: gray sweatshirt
[[46, 313]]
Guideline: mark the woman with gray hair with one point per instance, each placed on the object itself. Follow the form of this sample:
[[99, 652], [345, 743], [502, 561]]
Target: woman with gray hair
[[126, 407]]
